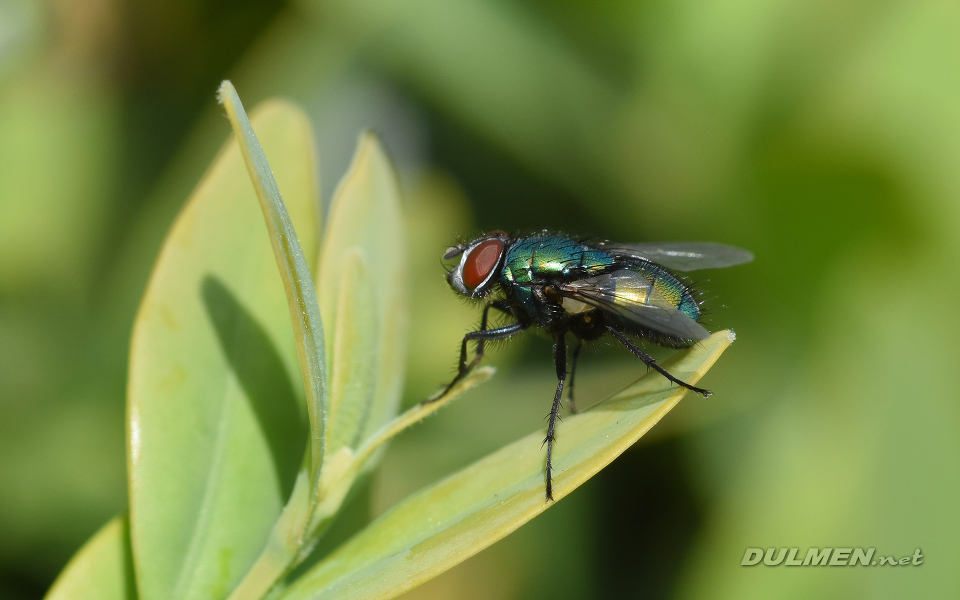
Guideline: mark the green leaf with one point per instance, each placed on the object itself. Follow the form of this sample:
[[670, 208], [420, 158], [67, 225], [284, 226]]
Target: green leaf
[[449, 521], [290, 536], [101, 570], [347, 464], [355, 344], [420, 411], [216, 432], [340, 472], [362, 287], [366, 349], [297, 280]]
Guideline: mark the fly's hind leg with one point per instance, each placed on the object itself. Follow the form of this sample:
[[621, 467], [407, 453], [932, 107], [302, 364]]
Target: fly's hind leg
[[481, 336], [573, 373], [650, 362], [560, 360]]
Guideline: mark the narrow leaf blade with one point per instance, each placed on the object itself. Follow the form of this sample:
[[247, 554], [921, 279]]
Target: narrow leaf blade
[[294, 271], [446, 523], [365, 222], [355, 346]]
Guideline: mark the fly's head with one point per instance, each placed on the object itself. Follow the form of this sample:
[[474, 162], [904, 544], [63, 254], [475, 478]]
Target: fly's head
[[481, 261]]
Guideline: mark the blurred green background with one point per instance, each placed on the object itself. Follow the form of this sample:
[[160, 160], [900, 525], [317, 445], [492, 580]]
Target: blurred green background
[[822, 135]]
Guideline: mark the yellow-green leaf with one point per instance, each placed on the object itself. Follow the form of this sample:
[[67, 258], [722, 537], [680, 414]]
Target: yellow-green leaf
[[294, 271], [450, 521], [289, 535], [355, 345], [361, 282], [101, 570], [215, 400], [363, 253]]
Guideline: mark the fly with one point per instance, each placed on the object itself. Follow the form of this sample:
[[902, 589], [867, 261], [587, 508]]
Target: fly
[[586, 289]]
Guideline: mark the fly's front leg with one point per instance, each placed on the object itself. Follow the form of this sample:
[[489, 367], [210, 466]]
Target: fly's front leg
[[480, 336], [463, 367], [560, 360]]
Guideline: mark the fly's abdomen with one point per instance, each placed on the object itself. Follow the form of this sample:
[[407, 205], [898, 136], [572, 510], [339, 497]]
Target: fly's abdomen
[[672, 289]]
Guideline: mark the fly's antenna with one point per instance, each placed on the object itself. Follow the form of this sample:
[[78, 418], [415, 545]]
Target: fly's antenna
[[454, 251]]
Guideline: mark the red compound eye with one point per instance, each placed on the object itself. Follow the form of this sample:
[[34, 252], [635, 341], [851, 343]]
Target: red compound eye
[[481, 261]]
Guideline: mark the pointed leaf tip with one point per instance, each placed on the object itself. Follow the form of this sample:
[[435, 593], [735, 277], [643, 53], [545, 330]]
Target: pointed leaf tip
[[365, 227], [294, 271]]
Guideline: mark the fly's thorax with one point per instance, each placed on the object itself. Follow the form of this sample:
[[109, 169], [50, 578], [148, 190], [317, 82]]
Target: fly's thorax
[[481, 262], [545, 258]]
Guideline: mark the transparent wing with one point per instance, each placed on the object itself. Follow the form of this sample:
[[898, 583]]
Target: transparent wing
[[630, 295], [683, 256]]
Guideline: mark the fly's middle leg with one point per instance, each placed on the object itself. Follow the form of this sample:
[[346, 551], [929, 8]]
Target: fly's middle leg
[[560, 360]]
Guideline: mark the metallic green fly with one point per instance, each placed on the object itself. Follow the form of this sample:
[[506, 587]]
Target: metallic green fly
[[587, 289]]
